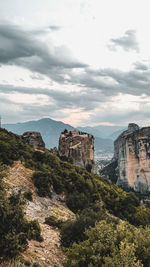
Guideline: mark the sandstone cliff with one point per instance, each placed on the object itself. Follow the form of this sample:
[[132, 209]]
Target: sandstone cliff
[[34, 139], [79, 146], [132, 152]]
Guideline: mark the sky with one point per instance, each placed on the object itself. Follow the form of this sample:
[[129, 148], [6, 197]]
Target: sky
[[83, 62]]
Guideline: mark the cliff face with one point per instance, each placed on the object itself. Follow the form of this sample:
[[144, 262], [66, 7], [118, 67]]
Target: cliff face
[[132, 152], [34, 139], [79, 146]]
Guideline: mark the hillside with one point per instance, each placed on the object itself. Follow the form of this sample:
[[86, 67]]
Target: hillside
[[104, 223], [47, 252]]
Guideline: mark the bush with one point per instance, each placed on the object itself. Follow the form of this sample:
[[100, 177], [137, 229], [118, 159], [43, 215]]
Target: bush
[[13, 148], [15, 230], [34, 231], [42, 180], [108, 244], [53, 221], [27, 263], [74, 230], [28, 195]]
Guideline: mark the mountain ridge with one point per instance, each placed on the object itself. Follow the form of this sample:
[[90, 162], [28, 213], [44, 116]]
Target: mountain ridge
[[51, 129]]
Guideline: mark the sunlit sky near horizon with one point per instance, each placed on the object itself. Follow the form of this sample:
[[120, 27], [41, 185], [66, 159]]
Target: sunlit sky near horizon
[[84, 62]]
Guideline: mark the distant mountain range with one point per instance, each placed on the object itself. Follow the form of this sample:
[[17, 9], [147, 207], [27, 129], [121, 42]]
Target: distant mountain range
[[110, 132], [51, 129]]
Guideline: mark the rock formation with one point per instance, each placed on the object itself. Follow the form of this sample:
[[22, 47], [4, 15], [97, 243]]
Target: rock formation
[[79, 146], [34, 139], [54, 151], [132, 152]]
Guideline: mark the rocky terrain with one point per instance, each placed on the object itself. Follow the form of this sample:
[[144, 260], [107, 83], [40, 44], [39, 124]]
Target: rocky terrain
[[48, 252], [132, 152], [34, 139], [79, 146]]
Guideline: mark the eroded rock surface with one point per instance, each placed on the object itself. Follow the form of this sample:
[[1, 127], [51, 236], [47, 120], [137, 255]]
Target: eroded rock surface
[[132, 152], [34, 139], [79, 146]]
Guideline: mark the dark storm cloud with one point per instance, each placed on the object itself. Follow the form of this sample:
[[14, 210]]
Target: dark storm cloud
[[23, 48], [128, 41]]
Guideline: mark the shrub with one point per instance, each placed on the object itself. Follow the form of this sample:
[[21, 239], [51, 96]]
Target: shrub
[[34, 231], [28, 195], [107, 244], [27, 263], [13, 148], [37, 264], [15, 230], [53, 221], [74, 230], [42, 180]]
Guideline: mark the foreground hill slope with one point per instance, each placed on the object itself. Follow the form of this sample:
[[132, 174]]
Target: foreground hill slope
[[56, 190], [47, 252]]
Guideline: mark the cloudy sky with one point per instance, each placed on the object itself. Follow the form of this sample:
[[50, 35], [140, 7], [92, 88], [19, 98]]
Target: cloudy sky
[[84, 62]]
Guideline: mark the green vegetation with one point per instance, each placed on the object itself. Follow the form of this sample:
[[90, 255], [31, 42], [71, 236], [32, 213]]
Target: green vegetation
[[97, 237], [12, 148], [15, 229], [111, 244], [109, 171], [82, 189], [28, 195], [54, 221], [74, 230]]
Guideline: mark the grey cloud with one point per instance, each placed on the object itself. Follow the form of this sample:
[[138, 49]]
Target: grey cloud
[[121, 117], [96, 85], [23, 48], [37, 77], [128, 41], [54, 27], [44, 30], [94, 97], [82, 99], [58, 101], [23, 112], [134, 82], [140, 66]]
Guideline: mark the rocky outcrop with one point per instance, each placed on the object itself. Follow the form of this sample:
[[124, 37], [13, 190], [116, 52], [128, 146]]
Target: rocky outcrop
[[54, 151], [34, 139], [132, 152], [80, 147]]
